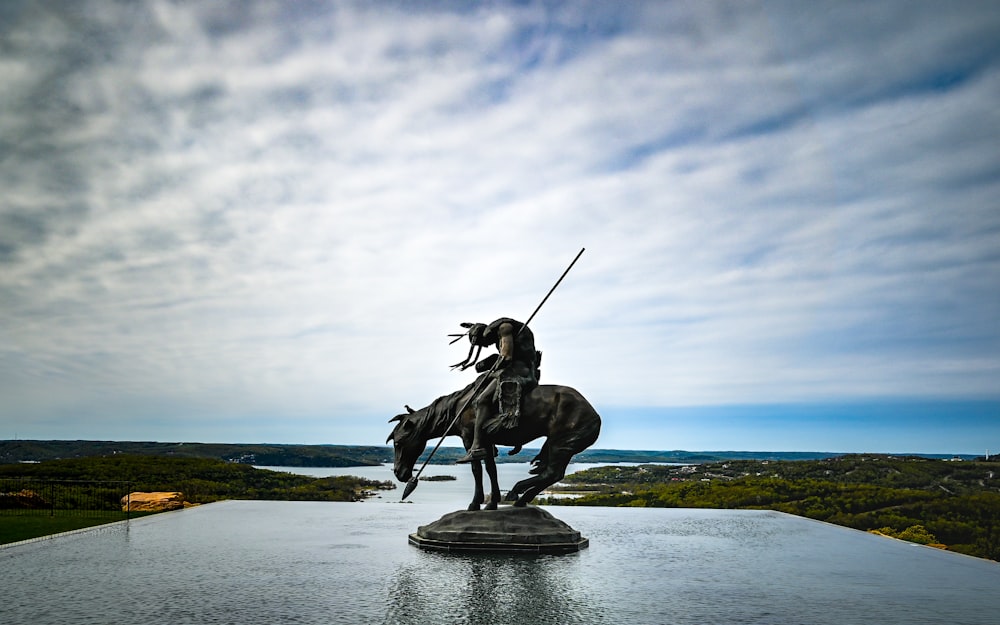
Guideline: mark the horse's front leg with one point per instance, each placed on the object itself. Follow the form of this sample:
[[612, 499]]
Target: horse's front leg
[[491, 471], [477, 475]]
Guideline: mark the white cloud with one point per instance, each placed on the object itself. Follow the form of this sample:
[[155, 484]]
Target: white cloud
[[273, 213]]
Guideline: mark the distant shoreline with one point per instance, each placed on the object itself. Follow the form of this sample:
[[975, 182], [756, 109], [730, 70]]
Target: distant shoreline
[[327, 456]]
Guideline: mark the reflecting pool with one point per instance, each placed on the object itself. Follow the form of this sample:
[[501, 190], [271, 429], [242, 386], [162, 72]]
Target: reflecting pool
[[253, 562]]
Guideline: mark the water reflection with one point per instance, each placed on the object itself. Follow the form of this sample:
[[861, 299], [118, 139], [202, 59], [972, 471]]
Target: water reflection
[[481, 589]]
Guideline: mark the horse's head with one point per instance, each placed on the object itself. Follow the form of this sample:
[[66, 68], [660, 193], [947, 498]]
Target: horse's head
[[407, 443]]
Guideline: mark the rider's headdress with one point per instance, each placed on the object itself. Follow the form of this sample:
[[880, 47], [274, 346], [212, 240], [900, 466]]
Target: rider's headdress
[[475, 331]]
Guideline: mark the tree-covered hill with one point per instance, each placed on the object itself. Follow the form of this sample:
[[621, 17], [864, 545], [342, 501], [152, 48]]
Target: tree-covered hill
[[202, 480]]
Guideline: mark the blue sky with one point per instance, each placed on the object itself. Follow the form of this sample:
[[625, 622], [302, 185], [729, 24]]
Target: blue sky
[[258, 221]]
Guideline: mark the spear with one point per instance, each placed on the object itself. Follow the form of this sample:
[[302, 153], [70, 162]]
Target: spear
[[411, 485]]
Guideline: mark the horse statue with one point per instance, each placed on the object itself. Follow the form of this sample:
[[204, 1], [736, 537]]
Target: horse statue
[[559, 413]]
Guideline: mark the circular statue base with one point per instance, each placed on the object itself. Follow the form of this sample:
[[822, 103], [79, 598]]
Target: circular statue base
[[509, 529]]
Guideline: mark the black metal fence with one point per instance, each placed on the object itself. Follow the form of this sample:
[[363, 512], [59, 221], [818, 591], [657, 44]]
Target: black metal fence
[[80, 498]]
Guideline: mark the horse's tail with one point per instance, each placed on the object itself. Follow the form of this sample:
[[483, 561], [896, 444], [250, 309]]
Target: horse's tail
[[539, 462]]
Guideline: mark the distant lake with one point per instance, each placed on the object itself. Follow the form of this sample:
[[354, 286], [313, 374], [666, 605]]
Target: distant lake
[[457, 491], [271, 562], [453, 491]]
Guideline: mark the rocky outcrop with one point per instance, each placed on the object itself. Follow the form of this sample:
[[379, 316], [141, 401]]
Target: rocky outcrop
[[23, 499], [154, 502]]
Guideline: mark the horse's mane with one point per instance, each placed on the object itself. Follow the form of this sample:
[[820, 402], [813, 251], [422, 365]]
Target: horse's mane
[[440, 413]]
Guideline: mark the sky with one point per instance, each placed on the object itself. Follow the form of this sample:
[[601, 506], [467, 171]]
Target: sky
[[259, 221]]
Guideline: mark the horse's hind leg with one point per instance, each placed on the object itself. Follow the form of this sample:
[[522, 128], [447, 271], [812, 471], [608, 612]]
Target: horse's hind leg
[[539, 464], [521, 486], [554, 471]]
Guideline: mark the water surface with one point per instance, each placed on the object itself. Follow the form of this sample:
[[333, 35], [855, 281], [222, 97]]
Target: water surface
[[259, 562]]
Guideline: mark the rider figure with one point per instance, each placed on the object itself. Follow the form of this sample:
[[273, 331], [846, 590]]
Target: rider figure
[[515, 375]]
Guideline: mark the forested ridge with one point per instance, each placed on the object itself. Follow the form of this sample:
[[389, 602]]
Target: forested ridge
[[955, 505], [202, 480], [264, 454]]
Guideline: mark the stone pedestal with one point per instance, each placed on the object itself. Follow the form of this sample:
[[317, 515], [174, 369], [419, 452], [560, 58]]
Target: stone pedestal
[[509, 529]]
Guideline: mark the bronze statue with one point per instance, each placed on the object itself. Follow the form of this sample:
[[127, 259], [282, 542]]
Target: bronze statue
[[559, 413], [527, 410], [513, 372]]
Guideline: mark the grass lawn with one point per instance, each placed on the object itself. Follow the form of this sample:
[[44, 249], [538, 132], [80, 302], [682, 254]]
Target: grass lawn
[[22, 527]]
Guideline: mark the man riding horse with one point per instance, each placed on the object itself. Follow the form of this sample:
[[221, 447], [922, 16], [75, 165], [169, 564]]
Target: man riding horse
[[513, 371]]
